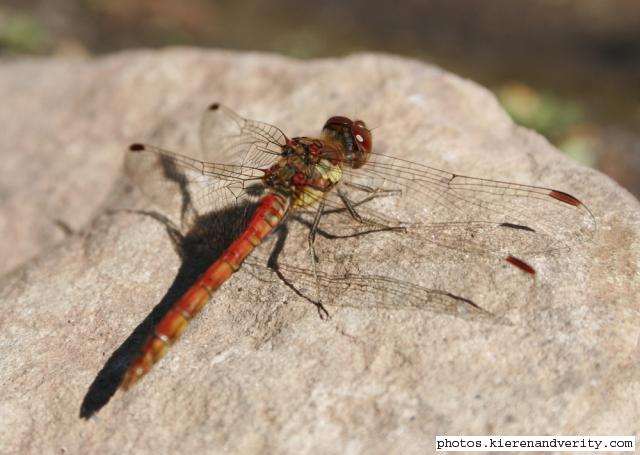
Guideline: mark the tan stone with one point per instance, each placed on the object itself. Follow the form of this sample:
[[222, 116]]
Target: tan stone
[[258, 370]]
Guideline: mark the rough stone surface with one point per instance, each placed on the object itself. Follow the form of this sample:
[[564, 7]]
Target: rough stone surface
[[258, 371]]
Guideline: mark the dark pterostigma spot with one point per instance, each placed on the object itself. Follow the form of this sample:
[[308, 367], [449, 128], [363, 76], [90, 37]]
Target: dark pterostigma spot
[[521, 264], [565, 197], [136, 147], [517, 226]]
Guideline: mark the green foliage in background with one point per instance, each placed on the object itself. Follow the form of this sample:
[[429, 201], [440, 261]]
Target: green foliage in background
[[21, 34], [561, 121], [541, 111]]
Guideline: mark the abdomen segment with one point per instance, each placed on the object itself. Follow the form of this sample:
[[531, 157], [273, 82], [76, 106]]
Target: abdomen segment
[[268, 215]]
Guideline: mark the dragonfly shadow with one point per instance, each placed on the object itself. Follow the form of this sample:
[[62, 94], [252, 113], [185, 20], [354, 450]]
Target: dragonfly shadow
[[197, 249]]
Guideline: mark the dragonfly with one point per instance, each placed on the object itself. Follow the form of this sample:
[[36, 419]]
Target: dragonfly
[[339, 174]]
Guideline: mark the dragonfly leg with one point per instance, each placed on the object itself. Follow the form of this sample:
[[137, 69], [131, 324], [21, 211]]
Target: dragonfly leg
[[351, 208], [379, 192], [272, 263], [322, 311], [374, 193]]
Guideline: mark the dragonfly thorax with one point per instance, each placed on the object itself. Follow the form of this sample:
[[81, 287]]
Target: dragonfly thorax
[[307, 169]]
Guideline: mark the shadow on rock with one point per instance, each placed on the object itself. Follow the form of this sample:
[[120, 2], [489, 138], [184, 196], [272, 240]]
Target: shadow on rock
[[198, 249]]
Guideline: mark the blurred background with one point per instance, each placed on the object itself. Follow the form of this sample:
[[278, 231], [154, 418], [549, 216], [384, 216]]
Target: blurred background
[[568, 68]]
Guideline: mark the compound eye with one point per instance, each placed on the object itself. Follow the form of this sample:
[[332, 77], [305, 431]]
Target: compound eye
[[361, 136], [338, 122]]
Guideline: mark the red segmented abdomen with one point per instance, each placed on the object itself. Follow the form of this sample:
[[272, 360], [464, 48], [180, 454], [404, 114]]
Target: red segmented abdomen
[[267, 216]]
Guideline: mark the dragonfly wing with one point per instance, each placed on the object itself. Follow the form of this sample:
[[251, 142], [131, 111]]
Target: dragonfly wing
[[361, 290], [188, 187], [473, 214], [229, 138]]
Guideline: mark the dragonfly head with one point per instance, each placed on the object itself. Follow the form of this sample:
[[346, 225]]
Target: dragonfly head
[[354, 136]]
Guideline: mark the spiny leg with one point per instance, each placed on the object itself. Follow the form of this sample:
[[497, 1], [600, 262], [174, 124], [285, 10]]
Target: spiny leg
[[374, 193], [379, 192], [322, 311], [351, 208]]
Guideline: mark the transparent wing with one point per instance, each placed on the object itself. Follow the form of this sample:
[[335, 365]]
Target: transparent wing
[[186, 186], [455, 211], [228, 138], [193, 187], [366, 290], [467, 213]]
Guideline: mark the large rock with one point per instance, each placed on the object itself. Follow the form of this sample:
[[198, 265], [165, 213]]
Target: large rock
[[258, 370]]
